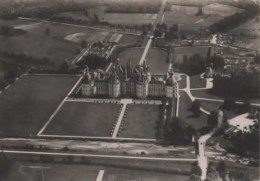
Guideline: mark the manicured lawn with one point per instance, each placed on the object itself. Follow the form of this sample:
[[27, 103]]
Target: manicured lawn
[[140, 121], [197, 82], [57, 172], [28, 103], [183, 82], [210, 105], [84, 119], [128, 174], [187, 115], [132, 54], [156, 59], [77, 172]]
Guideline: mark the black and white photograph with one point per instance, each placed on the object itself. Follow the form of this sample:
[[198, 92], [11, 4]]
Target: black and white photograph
[[129, 90]]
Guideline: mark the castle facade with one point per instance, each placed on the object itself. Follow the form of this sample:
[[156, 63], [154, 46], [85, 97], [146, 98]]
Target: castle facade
[[126, 81]]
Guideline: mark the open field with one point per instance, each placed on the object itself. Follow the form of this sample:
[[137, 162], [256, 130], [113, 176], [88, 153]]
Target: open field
[[190, 22], [250, 42], [156, 59], [251, 27], [130, 18], [220, 9], [140, 121], [197, 82], [187, 115], [28, 103], [132, 54], [39, 47], [71, 33], [189, 10], [84, 119]]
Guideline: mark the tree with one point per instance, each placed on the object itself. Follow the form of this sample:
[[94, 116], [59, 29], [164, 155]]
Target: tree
[[84, 44], [228, 104], [96, 18], [47, 32], [64, 67], [195, 107]]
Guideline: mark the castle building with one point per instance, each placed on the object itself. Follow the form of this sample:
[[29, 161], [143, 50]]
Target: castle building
[[128, 81]]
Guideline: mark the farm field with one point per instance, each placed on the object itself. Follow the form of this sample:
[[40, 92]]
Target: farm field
[[189, 22], [220, 9], [157, 60], [145, 116], [252, 42], [132, 54], [84, 119], [39, 47], [189, 10], [29, 102], [130, 18], [187, 115]]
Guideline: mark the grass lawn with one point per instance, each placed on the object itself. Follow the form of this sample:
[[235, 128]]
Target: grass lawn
[[128, 174], [84, 119], [39, 47], [128, 40], [183, 82], [57, 172], [156, 58], [28, 103], [77, 172], [132, 54], [140, 121], [197, 82], [187, 115], [210, 105]]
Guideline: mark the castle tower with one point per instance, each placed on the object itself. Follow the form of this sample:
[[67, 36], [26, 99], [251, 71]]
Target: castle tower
[[144, 77], [171, 84], [88, 88], [114, 85]]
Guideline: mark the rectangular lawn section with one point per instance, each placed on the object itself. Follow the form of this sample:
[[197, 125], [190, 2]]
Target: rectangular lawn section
[[197, 82], [84, 119], [29, 102], [186, 114], [140, 121], [157, 60], [183, 82]]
